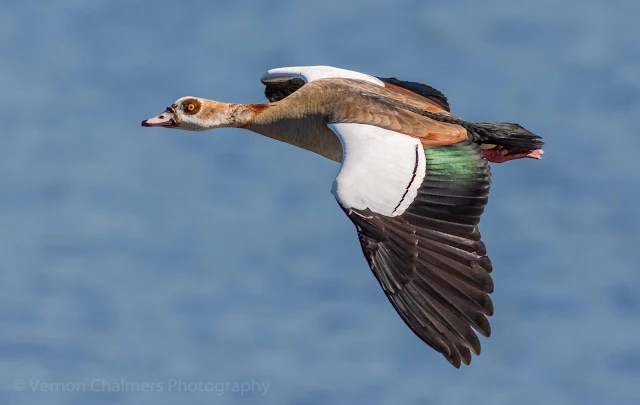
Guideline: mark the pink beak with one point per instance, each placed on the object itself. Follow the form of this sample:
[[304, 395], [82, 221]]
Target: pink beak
[[167, 119]]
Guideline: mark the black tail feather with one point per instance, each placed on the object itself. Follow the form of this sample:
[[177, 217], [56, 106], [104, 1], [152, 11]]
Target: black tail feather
[[504, 134]]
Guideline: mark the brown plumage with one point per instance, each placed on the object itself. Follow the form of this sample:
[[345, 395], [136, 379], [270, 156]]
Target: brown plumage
[[300, 119]]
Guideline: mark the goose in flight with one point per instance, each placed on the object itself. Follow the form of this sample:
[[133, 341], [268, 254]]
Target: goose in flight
[[414, 180]]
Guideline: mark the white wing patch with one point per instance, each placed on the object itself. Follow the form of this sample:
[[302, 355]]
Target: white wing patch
[[381, 169], [311, 73]]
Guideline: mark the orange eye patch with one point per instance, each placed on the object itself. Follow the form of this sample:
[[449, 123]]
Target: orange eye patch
[[191, 107]]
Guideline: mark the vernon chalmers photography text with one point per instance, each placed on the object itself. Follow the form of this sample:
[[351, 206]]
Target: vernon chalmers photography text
[[249, 387]]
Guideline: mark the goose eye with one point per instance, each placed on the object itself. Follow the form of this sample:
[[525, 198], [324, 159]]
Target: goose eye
[[191, 107]]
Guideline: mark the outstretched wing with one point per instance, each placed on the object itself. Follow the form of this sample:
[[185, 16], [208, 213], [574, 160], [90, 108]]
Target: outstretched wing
[[282, 82], [416, 211]]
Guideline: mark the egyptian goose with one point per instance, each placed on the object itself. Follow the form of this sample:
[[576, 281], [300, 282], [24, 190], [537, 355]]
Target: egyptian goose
[[414, 181]]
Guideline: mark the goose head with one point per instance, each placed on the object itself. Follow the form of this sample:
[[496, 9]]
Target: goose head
[[194, 114]]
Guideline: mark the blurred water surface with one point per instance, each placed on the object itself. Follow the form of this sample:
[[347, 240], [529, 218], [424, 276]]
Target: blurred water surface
[[149, 256]]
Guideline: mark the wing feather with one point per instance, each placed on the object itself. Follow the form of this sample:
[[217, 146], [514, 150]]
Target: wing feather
[[418, 88], [430, 261]]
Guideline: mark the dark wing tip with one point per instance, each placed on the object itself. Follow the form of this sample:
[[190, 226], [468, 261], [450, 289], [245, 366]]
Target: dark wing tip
[[281, 89], [422, 89], [431, 284]]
